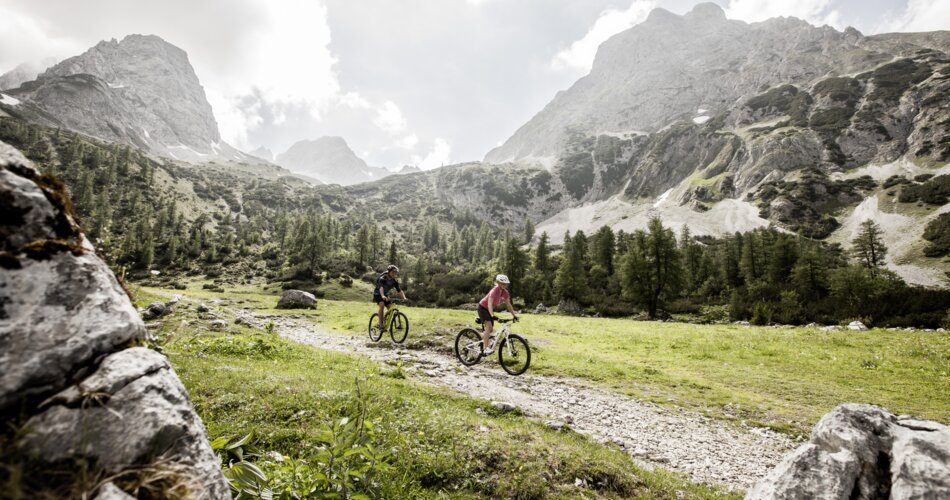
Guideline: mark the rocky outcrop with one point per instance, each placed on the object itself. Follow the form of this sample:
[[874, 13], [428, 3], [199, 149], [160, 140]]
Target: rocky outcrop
[[140, 91], [864, 452], [87, 401], [296, 299], [695, 67], [330, 160]]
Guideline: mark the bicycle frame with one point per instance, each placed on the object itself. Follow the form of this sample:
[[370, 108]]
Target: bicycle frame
[[391, 311]]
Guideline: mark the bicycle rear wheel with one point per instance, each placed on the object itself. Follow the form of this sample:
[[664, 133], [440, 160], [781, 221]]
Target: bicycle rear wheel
[[375, 332], [468, 347], [399, 328], [514, 355]]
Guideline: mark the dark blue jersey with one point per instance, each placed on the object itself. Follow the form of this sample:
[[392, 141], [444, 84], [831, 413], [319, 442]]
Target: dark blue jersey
[[386, 283]]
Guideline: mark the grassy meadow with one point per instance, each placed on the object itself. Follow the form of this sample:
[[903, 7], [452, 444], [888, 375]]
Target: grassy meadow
[[785, 378], [299, 404]]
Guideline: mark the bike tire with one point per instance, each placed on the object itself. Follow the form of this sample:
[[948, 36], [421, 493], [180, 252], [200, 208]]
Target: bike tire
[[465, 351], [519, 347], [374, 333], [399, 328]]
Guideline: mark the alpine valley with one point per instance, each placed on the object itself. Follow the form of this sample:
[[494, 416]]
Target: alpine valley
[[706, 122]]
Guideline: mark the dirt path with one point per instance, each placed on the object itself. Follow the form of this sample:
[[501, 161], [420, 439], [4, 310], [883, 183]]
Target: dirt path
[[707, 450]]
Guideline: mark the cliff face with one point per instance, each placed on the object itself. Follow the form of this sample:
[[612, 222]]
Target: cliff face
[[83, 401], [671, 68], [140, 91]]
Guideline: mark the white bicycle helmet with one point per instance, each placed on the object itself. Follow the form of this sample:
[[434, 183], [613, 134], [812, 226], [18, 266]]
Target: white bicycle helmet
[[501, 278]]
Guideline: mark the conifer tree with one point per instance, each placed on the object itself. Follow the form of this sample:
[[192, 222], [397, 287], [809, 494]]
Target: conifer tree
[[868, 246]]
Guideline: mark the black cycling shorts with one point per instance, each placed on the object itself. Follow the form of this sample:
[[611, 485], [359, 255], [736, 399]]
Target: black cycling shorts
[[483, 314], [379, 298]]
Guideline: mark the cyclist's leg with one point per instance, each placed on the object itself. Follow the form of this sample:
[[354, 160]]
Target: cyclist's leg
[[487, 324], [486, 333], [382, 313]]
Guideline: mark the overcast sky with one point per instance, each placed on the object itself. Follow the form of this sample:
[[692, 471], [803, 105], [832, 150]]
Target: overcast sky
[[404, 81]]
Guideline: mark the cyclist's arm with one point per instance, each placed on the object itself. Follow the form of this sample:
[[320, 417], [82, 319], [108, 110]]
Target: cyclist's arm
[[511, 309], [382, 293]]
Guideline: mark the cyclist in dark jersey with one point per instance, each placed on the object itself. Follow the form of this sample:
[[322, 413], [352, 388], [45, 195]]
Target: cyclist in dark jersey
[[384, 284]]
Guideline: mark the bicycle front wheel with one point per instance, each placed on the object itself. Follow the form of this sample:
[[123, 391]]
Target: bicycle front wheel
[[514, 355], [468, 347], [375, 331], [399, 328]]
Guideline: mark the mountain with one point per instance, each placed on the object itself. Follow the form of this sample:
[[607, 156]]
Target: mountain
[[409, 169], [263, 153], [330, 160], [671, 68], [24, 73], [141, 91]]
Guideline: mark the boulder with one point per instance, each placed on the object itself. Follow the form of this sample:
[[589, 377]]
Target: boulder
[[110, 491], [857, 326], [155, 310], [864, 452], [203, 308], [85, 400], [219, 324], [540, 309], [296, 299], [503, 406]]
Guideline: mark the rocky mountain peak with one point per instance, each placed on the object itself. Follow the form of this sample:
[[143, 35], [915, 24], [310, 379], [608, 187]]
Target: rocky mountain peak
[[330, 160], [706, 12], [145, 93], [668, 67]]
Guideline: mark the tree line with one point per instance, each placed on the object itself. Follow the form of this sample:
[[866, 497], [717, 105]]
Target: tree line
[[262, 229]]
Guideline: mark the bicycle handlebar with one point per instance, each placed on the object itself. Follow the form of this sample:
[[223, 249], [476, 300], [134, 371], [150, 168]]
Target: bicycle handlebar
[[499, 320]]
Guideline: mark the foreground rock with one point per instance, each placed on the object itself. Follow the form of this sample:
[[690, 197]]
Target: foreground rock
[[296, 299], [72, 380], [864, 452]]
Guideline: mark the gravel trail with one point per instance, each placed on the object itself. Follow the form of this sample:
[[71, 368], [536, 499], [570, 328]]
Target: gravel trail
[[707, 450]]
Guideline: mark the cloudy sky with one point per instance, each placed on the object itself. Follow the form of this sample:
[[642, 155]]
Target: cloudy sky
[[404, 81]]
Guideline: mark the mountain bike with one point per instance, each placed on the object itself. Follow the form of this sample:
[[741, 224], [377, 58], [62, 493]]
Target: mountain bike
[[394, 320], [514, 355]]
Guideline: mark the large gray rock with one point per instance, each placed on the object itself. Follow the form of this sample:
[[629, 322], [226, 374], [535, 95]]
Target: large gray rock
[[76, 387], [130, 411], [864, 452], [296, 299], [61, 306]]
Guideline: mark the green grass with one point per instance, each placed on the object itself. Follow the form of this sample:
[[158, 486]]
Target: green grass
[[436, 443], [786, 378]]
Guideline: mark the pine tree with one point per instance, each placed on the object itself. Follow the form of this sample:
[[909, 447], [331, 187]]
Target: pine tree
[[393, 254], [542, 254], [571, 278], [603, 246], [528, 231], [868, 246], [652, 270]]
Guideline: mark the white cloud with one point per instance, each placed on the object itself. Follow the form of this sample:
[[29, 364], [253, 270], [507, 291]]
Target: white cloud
[[31, 40], [440, 155], [389, 118], [286, 62], [354, 100], [580, 55], [819, 12], [408, 142], [922, 15]]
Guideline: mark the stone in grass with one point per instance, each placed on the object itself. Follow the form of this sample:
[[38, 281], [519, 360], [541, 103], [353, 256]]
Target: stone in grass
[[857, 326], [110, 491], [555, 425], [296, 299], [218, 324], [503, 406], [203, 308], [862, 451], [154, 310]]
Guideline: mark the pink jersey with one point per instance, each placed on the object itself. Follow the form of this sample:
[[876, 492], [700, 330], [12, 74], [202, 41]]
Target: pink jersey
[[497, 296]]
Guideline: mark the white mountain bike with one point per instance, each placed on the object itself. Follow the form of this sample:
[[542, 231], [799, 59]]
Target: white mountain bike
[[514, 355]]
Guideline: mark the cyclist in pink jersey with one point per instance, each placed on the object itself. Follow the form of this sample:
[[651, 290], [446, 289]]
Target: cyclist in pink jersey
[[486, 310]]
